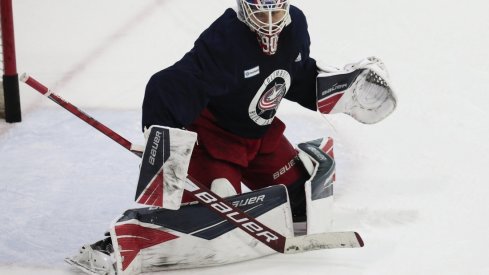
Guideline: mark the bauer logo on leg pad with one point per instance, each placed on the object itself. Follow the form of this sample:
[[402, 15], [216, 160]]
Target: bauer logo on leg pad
[[237, 217], [150, 185], [154, 147], [201, 222], [195, 236], [164, 166]]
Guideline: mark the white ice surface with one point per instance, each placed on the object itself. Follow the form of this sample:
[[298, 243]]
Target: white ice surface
[[414, 185]]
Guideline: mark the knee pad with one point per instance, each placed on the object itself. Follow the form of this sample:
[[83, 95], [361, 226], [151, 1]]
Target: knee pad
[[223, 188]]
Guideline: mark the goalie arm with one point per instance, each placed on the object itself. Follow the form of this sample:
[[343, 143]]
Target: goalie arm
[[176, 96], [302, 89]]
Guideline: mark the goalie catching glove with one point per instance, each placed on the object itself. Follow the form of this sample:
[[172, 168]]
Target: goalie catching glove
[[361, 90], [164, 166]]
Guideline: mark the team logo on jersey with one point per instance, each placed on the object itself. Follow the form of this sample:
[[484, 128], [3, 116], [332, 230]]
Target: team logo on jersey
[[264, 105]]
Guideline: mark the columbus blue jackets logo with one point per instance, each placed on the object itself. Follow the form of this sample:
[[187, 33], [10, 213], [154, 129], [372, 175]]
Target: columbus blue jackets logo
[[264, 105], [271, 99]]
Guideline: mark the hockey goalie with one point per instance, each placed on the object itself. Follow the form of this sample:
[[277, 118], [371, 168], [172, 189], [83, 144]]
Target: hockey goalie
[[210, 119]]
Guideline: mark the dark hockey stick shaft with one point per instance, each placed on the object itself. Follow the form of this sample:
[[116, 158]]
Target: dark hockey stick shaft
[[201, 193], [232, 214]]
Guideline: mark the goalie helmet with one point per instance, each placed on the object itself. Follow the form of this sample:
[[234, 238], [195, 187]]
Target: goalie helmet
[[267, 18]]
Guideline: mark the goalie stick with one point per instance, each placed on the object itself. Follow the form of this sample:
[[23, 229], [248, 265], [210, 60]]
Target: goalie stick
[[235, 216]]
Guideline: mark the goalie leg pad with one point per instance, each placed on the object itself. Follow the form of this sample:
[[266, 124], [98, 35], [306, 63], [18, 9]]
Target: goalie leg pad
[[151, 240], [223, 188], [318, 156], [164, 166]]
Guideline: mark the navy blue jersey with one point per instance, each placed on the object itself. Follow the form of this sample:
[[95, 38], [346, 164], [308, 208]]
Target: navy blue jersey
[[228, 73]]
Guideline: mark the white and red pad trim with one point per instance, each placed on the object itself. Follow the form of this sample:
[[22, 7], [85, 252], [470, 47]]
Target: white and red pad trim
[[164, 167], [327, 104], [151, 240], [153, 193]]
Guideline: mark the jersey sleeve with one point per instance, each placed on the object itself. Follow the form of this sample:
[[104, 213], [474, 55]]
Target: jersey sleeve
[[303, 87], [176, 96]]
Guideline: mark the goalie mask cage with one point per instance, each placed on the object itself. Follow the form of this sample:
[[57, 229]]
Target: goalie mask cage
[[9, 96]]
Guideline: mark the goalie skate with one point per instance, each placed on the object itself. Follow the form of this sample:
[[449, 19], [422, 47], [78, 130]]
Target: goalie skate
[[95, 259]]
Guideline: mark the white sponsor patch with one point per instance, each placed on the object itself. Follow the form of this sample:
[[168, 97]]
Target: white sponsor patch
[[252, 72]]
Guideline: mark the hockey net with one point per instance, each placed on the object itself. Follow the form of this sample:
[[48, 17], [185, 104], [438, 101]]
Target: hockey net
[[2, 70], [9, 88]]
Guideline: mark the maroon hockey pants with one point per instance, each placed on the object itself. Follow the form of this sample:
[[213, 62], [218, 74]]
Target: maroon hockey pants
[[257, 163]]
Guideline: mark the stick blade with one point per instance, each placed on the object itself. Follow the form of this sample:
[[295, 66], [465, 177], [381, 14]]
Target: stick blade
[[319, 241]]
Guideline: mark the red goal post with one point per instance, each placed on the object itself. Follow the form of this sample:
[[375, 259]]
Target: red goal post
[[9, 98]]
